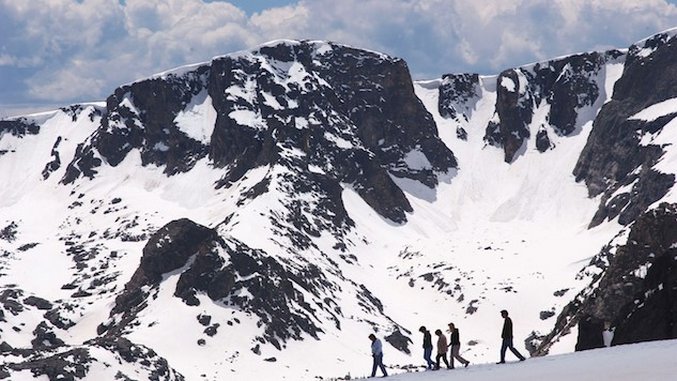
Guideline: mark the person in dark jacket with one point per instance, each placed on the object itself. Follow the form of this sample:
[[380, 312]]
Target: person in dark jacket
[[455, 345], [506, 335], [377, 354], [441, 350], [427, 347]]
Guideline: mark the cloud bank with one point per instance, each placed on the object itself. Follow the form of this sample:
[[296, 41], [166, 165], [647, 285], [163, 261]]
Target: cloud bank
[[65, 51]]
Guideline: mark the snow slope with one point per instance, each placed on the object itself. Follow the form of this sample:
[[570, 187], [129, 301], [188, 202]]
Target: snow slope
[[653, 361]]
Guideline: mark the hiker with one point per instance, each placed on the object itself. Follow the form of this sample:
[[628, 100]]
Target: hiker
[[607, 334], [455, 344], [441, 350], [427, 347], [377, 354], [506, 335]]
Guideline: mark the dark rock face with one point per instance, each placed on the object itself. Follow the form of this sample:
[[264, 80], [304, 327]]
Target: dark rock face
[[364, 119], [514, 109], [75, 363], [635, 289], [651, 312], [70, 365], [10, 300], [224, 270], [83, 164], [613, 156], [458, 94], [167, 250], [574, 86], [39, 303], [141, 116], [45, 338], [156, 366], [649, 73], [8, 233], [56, 160], [399, 341], [542, 140], [568, 85], [269, 283], [170, 248], [635, 293], [589, 333], [19, 127], [353, 115]]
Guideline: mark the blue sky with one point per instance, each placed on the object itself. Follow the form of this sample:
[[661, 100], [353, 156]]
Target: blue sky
[[58, 52]]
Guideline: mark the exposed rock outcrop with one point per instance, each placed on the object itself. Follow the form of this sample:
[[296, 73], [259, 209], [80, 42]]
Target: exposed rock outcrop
[[353, 113], [634, 292], [614, 157]]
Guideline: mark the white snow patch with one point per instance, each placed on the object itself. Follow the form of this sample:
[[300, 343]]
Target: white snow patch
[[161, 146], [415, 159], [315, 169], [246, 92], [508, 84], [340, 142], [271, 101], [614, 71], [656, 111], [300, 123], [197, 120], [323, 48], [248, 118], [645, 52]]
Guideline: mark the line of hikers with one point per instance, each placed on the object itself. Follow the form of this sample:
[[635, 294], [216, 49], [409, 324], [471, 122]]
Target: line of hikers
[[443, 345]]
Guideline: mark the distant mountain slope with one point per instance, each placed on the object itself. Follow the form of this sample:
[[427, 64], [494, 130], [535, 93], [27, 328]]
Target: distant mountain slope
[[224, 219]]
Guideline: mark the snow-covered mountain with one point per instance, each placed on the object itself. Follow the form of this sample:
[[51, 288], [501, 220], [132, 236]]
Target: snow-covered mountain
[[258, 215]]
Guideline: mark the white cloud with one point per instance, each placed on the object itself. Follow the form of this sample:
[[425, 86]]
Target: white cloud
[[82, 50], [64, 84]]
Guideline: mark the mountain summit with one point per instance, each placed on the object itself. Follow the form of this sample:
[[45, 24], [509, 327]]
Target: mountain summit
[[224, 219]]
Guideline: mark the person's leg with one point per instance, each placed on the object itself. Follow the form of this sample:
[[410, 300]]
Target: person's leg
[[504, 347], [455, 355], [427, 352], [451, 357], [374, 366], [379, 361], [383, 367], [444, 357], [437, 360], [457, 350], [515, 352]]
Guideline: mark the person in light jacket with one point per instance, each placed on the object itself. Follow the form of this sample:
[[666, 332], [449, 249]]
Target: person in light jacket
[[607, 334], [377, 354], [506, 335], [427, 347], [441, 349], [455, 345]]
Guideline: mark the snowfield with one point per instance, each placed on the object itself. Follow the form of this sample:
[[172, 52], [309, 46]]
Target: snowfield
[[652, 361]]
